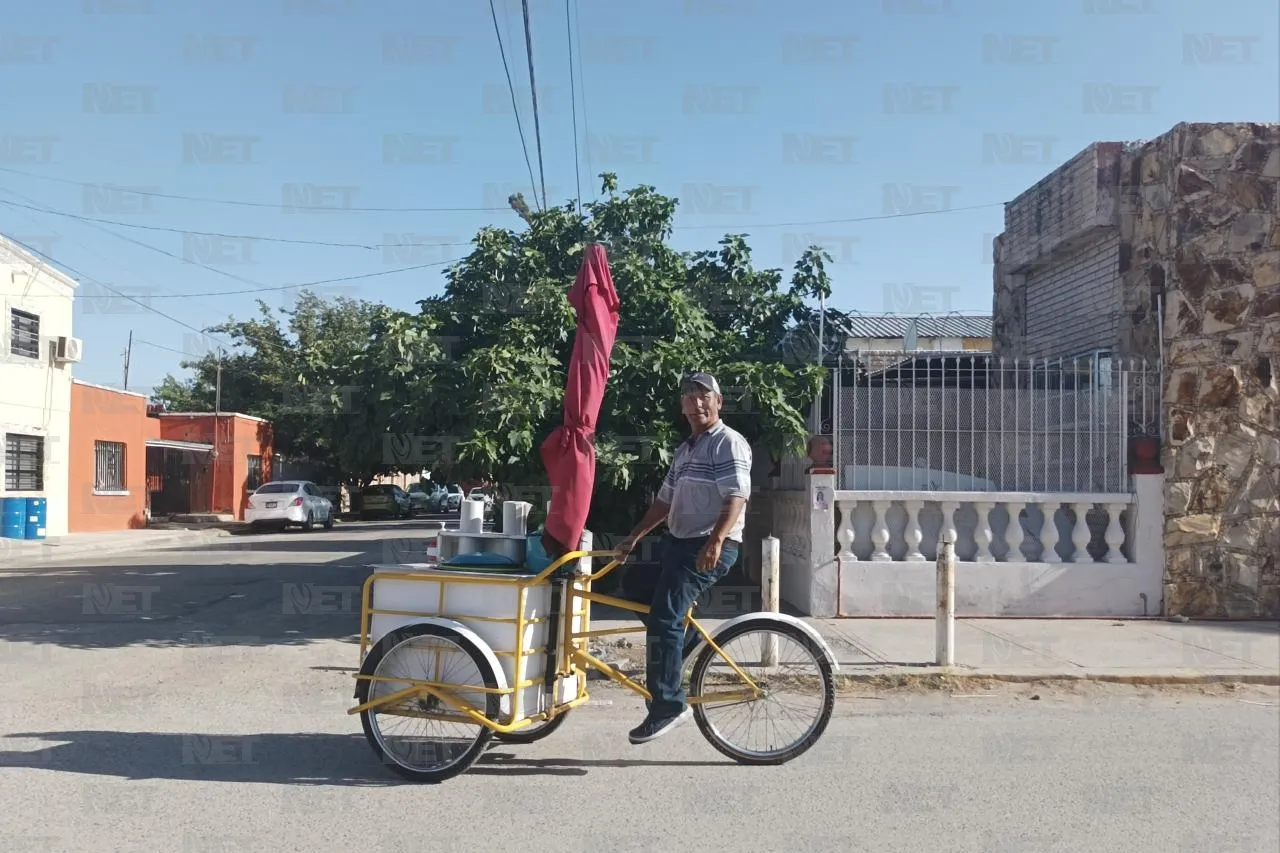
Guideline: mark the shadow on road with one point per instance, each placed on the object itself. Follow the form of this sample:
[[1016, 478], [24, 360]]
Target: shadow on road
[[271, 758], [183, 604], [509, 764]]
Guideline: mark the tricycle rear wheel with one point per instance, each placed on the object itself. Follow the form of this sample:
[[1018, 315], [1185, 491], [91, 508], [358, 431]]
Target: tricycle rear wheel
[[535, 732], [384, 659]]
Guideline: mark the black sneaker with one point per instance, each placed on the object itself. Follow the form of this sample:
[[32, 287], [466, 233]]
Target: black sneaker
[[655, 727]]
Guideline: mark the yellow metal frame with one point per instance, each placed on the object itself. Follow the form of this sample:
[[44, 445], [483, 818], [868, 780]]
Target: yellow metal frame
[[572, 657]]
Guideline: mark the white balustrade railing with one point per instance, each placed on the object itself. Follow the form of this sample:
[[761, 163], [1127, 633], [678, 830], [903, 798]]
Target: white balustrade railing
[[988, 527]]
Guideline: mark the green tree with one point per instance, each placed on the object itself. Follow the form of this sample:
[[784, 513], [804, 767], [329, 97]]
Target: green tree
[[335, 379], [509, 328], [471, 385]]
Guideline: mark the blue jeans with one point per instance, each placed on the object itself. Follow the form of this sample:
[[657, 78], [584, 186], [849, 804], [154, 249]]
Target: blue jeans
[[679, 585]]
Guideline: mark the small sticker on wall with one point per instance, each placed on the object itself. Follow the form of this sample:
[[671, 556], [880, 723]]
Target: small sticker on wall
[[821, 500]]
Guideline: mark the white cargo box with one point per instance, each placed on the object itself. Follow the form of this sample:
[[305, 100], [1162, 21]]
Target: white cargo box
[[482, 597]]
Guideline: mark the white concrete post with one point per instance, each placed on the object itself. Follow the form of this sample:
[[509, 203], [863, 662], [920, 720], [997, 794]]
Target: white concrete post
[[770, 601], [824, 570], [946, 615], [1147, 520], [472, 520], [584, 544]]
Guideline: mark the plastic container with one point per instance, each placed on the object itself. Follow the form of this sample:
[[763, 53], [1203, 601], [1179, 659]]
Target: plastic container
[[37, 517], [455, 542], [13, 518], [473, 603]]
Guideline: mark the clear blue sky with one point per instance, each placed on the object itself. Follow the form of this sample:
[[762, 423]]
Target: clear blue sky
[[800, 112]]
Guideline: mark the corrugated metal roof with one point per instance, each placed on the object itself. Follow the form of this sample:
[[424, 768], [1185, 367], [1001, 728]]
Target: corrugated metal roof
[[895, 326]]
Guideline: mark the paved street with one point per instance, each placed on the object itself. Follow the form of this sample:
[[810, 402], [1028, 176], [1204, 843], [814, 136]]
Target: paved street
[[193, 700]]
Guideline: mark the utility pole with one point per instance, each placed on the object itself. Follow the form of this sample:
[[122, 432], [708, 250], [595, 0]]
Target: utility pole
[[217, 430], [815, 419], [217, 388], [128, 353]]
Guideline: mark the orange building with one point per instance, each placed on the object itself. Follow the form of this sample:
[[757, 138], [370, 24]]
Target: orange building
[[107, 459], [129, 463], [241, 452]]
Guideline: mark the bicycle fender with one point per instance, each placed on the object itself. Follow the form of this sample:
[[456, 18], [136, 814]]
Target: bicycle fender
[[500, 677], [764, 616]]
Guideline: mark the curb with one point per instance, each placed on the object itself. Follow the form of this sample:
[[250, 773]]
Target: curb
[[53, 553], [944, 680]]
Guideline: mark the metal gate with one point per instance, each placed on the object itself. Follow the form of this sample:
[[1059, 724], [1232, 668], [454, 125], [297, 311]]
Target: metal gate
[[969, 421]]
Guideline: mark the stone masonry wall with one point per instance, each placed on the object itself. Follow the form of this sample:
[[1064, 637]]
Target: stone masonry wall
[[1201, 229], [1198, 221]]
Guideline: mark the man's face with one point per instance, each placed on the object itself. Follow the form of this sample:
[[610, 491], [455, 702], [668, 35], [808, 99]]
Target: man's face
[[700, 406]]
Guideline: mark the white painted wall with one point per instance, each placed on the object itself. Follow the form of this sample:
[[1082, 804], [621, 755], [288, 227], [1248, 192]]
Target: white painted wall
[[35, 394], [892, 344]]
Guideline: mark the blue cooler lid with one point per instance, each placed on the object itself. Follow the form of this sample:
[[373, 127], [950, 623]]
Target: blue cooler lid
[[481, 560]]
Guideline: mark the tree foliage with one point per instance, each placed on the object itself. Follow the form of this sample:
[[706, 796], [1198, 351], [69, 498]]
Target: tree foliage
[[471, 384]]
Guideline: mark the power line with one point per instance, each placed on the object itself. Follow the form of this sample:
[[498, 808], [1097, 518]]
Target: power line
[[306, 284], [160, 346], [257, 286], [573, 101], [186, 231], [586, 127], [122, 295], [260, 344], [241, 203], [262, 288], [524, 145], [533, 94], [842, 221], [586, 130]]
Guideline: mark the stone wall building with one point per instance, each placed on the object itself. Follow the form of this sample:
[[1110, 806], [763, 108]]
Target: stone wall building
[[1169, 250]]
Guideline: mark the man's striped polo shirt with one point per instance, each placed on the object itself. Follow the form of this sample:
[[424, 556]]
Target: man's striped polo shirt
[[707, 470]]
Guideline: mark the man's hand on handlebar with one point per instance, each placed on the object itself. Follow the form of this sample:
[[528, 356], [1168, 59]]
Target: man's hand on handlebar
[[625, 547]]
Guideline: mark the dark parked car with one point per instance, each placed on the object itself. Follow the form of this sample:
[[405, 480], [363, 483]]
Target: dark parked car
[[385, 499]]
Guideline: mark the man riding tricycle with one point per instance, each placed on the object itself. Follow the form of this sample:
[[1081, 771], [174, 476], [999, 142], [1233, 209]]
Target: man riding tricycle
[[493, 641]]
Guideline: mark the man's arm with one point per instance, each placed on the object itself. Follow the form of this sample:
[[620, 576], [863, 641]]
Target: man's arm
[[728, 517], [733, 478], [656, 514]]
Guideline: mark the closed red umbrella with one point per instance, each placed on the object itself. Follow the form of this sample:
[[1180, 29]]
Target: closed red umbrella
[[569, 453]]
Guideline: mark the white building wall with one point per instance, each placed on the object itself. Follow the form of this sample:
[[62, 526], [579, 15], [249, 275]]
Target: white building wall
[[35, 394]]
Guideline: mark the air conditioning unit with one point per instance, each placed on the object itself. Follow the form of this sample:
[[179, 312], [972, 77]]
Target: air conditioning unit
[[68, 350]]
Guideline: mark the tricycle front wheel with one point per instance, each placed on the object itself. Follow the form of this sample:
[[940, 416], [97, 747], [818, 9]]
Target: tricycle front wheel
[[405, 735], [797, 684]]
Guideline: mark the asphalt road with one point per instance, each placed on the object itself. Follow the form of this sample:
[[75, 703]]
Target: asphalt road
[[195, 701]]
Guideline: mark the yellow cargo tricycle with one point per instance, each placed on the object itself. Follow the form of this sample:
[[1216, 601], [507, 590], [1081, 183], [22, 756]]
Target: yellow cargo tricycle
[[455, 656]]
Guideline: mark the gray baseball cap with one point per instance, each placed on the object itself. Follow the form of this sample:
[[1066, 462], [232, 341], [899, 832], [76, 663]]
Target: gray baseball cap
[[700, 380]]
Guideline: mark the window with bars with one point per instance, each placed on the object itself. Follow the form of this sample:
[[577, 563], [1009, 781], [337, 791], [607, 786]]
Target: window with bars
[[24, 334], [254, 479], [109, 466], [23, 463]]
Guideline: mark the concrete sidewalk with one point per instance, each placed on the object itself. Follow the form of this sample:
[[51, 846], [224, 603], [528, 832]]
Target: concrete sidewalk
[[1151, 651], [19, 553]]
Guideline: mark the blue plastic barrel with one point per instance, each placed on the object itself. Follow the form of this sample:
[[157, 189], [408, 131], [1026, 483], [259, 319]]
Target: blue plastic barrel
[[13, 518], [37, 516]]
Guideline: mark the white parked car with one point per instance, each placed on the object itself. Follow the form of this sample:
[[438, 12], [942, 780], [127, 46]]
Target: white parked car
[[289, 502]]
